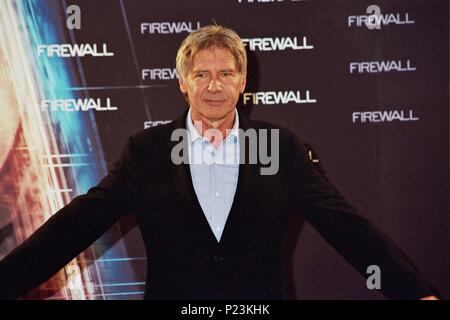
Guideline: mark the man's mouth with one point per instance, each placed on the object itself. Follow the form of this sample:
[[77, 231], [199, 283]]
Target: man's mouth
[[214, 102]]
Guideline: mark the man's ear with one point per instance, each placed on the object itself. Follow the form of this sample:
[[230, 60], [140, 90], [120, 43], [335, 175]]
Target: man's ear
[[182, 84], [242, 84]]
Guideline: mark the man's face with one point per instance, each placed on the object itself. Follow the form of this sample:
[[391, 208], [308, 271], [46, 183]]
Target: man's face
[[213, 84]]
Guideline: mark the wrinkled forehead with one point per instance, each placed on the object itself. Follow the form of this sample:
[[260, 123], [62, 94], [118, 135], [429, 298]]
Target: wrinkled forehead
[[213, 58]]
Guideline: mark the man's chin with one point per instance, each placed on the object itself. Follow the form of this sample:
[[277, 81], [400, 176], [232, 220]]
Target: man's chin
[[214, 113]]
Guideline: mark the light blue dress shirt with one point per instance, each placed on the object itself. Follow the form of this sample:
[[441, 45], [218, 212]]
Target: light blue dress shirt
[[214, 173]]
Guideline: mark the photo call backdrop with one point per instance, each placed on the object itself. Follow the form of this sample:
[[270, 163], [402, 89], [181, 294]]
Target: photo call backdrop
[[371, 98]]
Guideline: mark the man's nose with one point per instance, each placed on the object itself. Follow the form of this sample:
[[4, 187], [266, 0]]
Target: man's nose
[[215, 85]]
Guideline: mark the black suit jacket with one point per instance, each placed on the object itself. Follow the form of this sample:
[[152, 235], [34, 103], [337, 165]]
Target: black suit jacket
[[185, 261]]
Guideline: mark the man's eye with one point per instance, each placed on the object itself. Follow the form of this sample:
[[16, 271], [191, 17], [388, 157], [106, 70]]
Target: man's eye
[[200, 75], [226, 74]]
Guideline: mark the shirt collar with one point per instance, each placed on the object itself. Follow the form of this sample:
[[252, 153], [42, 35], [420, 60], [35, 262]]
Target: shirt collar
[[194, 134]]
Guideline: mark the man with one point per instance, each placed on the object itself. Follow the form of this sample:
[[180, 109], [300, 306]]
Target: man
[[213, 228]]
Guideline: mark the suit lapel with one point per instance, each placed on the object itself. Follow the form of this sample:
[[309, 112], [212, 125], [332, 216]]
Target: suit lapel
[[185, 188], [247, 176]]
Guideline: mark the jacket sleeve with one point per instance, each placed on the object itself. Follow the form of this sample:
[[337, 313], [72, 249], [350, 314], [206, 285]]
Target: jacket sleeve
[[70, 230], [350, 234]]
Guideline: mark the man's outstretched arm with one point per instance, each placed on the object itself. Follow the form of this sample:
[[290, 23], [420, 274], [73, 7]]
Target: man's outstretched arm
[[350, 234], [70, 231]]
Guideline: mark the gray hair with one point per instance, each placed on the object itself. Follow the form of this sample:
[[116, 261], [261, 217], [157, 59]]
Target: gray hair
[[211, 36]]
